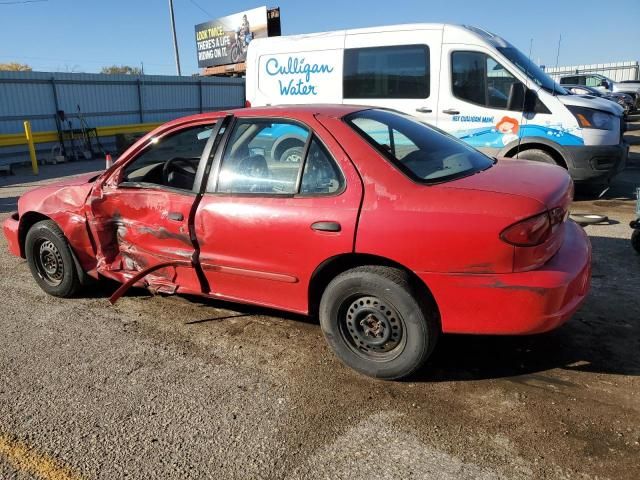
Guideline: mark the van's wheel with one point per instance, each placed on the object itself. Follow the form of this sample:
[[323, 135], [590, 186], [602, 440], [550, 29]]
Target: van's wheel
[[377, 322], [50, 261], [292, 154], [537, 155]]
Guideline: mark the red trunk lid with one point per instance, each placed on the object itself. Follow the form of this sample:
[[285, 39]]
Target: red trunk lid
[[549, 184]]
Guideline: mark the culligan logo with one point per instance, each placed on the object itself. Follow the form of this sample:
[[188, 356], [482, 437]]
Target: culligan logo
[[304, 73]]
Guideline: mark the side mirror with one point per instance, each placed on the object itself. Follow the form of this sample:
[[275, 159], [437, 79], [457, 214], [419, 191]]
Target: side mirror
[[521, 99]]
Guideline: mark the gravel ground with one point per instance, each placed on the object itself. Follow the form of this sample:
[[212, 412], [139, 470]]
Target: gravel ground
[[174, 387]]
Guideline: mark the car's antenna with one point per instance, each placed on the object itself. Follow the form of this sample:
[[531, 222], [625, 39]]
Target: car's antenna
[[557, 59]]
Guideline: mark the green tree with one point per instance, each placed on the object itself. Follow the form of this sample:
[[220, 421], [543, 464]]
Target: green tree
[[15, 67], [121, 69]]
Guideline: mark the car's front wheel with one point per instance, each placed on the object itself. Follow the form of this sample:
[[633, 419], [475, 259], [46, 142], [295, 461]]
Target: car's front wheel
[[537, 155], [50, 259], [377, 322]]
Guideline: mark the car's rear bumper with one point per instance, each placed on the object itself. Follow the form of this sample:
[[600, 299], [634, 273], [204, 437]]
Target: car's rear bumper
[[516, 303], [10, 229]]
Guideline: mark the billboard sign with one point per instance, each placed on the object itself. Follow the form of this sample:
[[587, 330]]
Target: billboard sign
[[224, 41]]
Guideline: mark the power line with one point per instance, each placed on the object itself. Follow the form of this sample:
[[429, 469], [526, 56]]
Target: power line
[[193, 2]]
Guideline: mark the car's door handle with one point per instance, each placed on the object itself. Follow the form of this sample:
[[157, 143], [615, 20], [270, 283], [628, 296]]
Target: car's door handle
[[424, 110], [451, 111], [175, 216], [326, 226]]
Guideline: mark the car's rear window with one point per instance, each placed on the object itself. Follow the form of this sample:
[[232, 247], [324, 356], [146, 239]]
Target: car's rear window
[[424, 153]]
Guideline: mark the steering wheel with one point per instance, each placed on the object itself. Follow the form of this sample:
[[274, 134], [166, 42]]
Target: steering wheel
[[177, 163]]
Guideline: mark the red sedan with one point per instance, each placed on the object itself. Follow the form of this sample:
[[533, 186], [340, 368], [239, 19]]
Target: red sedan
[[387, 229]]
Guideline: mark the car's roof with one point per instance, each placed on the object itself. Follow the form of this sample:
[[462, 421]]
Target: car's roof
[[300, 112]]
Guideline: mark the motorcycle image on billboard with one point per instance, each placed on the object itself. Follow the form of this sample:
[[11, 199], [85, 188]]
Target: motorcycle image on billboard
[[225, 41]]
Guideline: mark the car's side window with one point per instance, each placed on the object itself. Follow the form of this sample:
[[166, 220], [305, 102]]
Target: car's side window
[[593, 81], [478, 78], [262, 157], [321, 174], [170, 161]]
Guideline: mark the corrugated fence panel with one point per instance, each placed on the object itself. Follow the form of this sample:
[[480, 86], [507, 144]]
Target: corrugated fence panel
[[616, 71], [105, 100]]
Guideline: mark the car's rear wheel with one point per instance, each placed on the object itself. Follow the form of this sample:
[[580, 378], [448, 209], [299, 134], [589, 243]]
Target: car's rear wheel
[[377, 322], [537, 155], [50, 259], [292, 154]]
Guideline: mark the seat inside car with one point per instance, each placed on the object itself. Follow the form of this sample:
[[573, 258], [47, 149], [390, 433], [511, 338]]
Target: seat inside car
[[255, 171]]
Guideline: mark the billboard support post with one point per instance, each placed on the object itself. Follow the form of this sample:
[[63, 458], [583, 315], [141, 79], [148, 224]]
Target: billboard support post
[[175, 40]]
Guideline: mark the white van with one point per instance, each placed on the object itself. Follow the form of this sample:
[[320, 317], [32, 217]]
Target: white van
[[466, 81]]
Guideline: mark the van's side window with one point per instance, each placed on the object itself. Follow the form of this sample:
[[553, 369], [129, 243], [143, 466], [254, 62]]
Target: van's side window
[[387, 72], [479, 79]]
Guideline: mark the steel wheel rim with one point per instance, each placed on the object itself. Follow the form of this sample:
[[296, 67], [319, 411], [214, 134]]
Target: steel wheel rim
[[293, 158], [48, 262], [372, 328]]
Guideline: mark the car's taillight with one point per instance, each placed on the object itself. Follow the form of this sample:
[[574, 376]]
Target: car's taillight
[[247, 104], [533, 231], [529, 232]]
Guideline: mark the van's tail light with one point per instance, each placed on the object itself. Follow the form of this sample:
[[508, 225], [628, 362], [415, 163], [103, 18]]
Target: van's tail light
[[247, 104], [535, 230]]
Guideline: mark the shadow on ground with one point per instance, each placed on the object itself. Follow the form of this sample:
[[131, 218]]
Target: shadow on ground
[[8, 204], [602, 337]]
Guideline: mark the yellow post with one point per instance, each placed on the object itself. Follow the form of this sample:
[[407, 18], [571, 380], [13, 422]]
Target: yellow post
[[32, 149]]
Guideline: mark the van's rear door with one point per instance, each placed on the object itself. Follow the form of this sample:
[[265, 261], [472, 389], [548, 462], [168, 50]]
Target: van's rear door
[[396, 69]]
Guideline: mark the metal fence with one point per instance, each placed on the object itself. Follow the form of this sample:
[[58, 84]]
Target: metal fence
[[105, 100], [616, 71]]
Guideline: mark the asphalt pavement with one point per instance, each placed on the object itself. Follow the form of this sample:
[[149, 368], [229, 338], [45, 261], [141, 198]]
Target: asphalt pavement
[[177, 387]]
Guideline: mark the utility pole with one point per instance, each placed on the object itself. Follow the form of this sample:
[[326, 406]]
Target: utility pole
[[175, 40]]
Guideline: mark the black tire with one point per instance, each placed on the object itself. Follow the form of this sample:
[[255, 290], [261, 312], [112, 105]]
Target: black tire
[[292, 154], [377, 322], [537, 155], [635, 240], [50, 259]]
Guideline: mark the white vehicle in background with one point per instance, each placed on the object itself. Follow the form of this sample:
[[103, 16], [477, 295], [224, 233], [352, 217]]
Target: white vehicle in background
[[466, 81]]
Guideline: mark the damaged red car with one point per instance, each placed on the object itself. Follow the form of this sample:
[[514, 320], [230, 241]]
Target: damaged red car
[[388, 230]]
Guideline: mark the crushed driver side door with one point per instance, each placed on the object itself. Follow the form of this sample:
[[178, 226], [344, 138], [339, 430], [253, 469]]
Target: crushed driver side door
[[139, 214]]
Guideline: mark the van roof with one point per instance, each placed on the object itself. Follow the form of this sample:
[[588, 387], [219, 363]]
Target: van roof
[[449, 28]]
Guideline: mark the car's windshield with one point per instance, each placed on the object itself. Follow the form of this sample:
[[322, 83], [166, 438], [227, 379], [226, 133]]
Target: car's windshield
[[423, 153], [531, 70]]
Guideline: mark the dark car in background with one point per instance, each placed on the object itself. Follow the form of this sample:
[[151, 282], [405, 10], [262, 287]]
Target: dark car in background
[[624, 100]]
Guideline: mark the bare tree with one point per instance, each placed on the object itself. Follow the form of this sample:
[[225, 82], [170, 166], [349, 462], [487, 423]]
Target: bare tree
[[121, 69]]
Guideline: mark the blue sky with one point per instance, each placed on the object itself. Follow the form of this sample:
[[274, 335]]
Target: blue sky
[[68, 35]]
